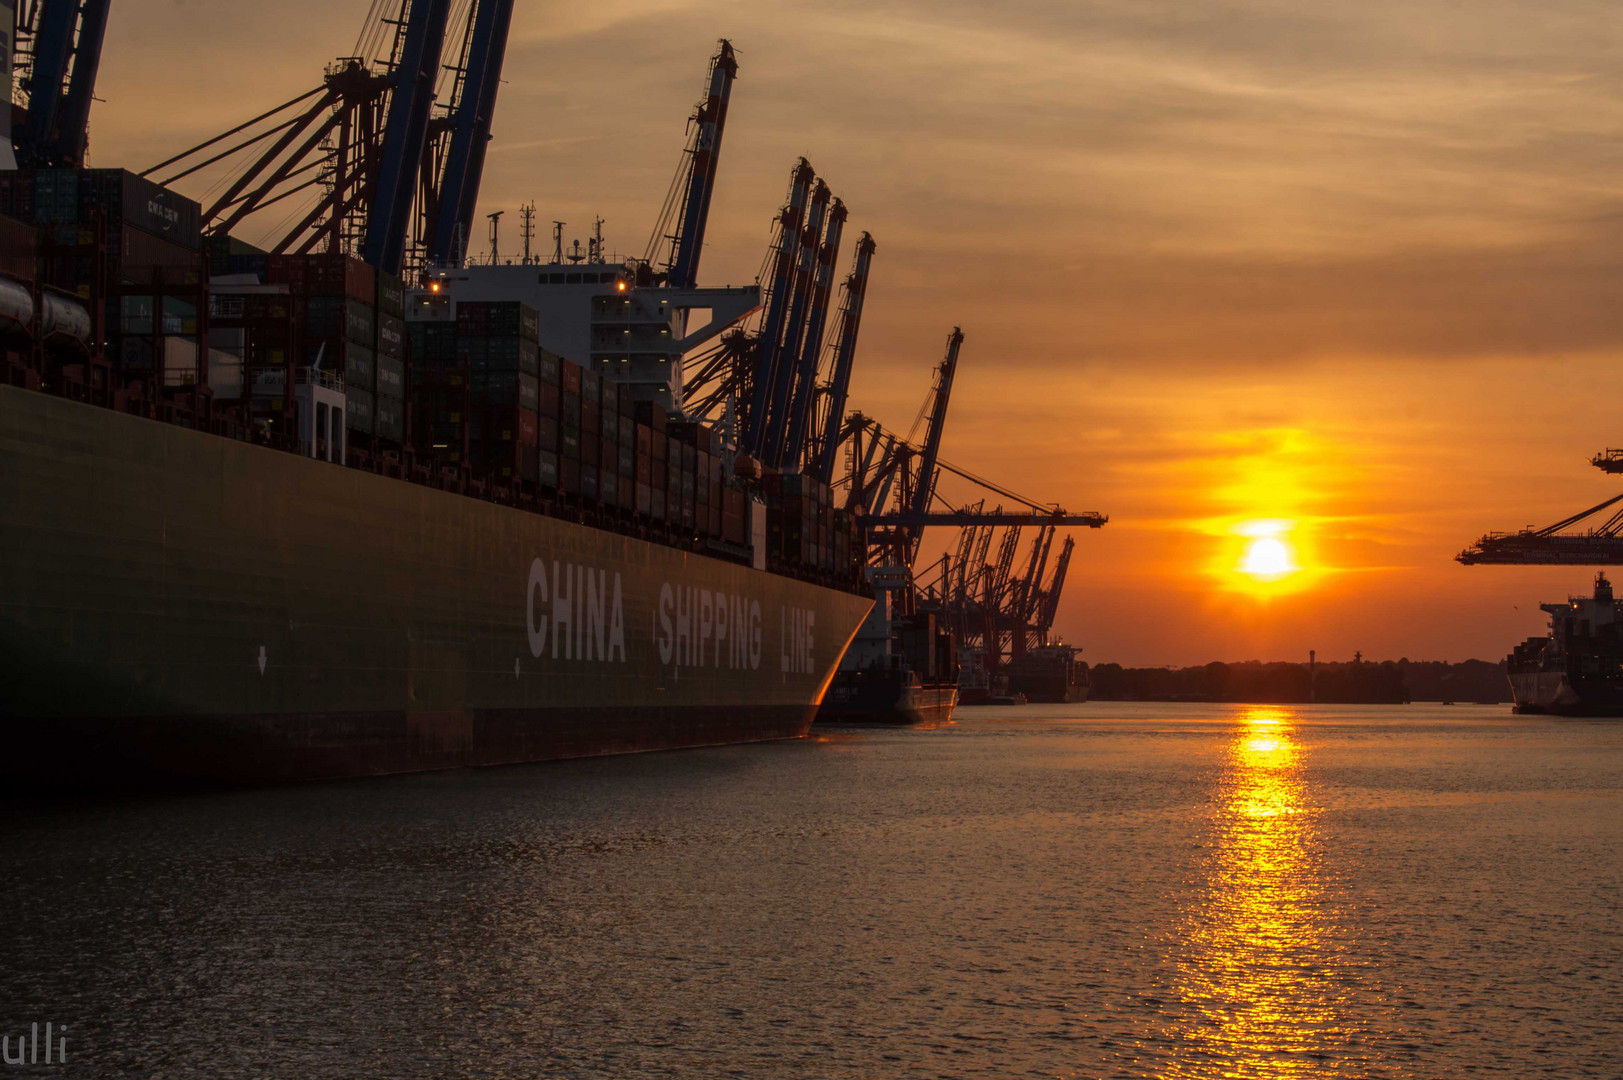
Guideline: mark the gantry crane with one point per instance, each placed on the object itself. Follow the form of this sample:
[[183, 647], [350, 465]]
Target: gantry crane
[[1557, 544], [687, 205], [57, 46], [1553, 545], [769, 376], [379, 173], [827, 449]]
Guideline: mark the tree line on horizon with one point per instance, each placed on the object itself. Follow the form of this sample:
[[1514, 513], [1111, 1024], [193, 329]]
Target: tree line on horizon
[[1284, 682]]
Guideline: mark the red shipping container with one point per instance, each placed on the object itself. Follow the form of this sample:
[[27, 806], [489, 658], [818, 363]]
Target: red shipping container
[[528, 432], [571, 378], [547, 399], [547, 433]]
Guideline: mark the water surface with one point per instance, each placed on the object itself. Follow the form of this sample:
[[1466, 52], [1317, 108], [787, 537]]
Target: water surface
[[1092, 890]]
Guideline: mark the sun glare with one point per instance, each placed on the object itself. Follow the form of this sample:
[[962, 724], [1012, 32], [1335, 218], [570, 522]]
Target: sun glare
[[1268, 556], [1263, 557]]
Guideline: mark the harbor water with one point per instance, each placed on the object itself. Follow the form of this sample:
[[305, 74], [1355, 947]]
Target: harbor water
[[1094, 890]]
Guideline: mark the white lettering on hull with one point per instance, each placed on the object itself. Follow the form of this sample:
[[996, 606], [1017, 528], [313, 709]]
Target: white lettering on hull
[[795, 652], [579, 608], [697, 628]]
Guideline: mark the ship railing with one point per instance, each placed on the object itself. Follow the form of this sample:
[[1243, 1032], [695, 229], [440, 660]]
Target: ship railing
[[315, 377]]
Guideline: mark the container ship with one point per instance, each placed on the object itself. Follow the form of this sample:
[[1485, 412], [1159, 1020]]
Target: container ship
[[329, 507], [1577, 668], [1048, 674]]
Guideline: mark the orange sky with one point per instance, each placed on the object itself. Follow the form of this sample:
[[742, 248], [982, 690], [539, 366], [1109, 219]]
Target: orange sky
[[1355, 267]]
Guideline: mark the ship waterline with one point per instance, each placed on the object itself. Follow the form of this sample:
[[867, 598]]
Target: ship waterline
[[177, 604]]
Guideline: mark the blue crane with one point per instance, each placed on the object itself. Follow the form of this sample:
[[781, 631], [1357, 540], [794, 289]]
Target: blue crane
[[794, 329], [458, 184], [856, 287], [54, 126], [811, 349], [790, 220], [924, 489], [405, 134], [677, 242], [703, 157], [386, 174]]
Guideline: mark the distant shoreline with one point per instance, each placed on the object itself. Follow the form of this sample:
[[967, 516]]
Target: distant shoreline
[[1357, 682]]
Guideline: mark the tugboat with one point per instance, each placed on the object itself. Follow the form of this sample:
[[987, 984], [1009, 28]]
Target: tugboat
[[1577, 669]]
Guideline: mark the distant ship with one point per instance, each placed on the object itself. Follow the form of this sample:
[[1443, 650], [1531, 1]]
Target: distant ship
[[1049, 674], [899, 669], [1577, 669]]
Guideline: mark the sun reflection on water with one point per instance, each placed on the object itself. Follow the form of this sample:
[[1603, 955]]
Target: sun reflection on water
[[1252, 963]]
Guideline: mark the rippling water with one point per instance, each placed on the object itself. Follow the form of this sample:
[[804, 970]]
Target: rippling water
[[1064, 891]]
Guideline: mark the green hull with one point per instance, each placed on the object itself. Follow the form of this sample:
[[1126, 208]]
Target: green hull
[[173, 604]]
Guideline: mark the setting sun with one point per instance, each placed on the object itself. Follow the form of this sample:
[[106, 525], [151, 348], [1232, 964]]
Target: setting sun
[[1264, 557], [1268, 557]]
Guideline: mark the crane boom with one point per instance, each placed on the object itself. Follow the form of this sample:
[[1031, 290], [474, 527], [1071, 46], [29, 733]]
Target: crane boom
[[856, 287], [783, 269], [811, 349], [965, 517], [1056, 586], [73, 125], [406, 132], [1552, 546], [62, 82], [470, 132], [794, 330], [938, 424], [709, 123]]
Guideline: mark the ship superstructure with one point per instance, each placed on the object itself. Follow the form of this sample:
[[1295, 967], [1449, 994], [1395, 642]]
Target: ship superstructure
[[1577, 668]]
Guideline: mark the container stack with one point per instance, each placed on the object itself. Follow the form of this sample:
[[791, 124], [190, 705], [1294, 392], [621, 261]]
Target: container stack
[[497, 341], [254, 333], [620, 447], [340, 325], [701, 502], [439, 401], [569, 427], [229, 256], [549, 417], [393, 355], [800, 521], [127, 246], [653, 470]]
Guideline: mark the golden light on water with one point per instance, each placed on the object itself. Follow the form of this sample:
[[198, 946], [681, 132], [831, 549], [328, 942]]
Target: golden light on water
[[1252, 961]]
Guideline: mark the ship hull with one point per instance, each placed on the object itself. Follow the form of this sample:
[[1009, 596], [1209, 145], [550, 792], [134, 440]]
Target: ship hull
[[888, 698], [1555, 693], [175, 605], [1053, 690]]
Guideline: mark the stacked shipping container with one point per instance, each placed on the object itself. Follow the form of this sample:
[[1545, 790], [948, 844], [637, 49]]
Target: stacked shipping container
[[803, 526], [127, 247], [484, 398]]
